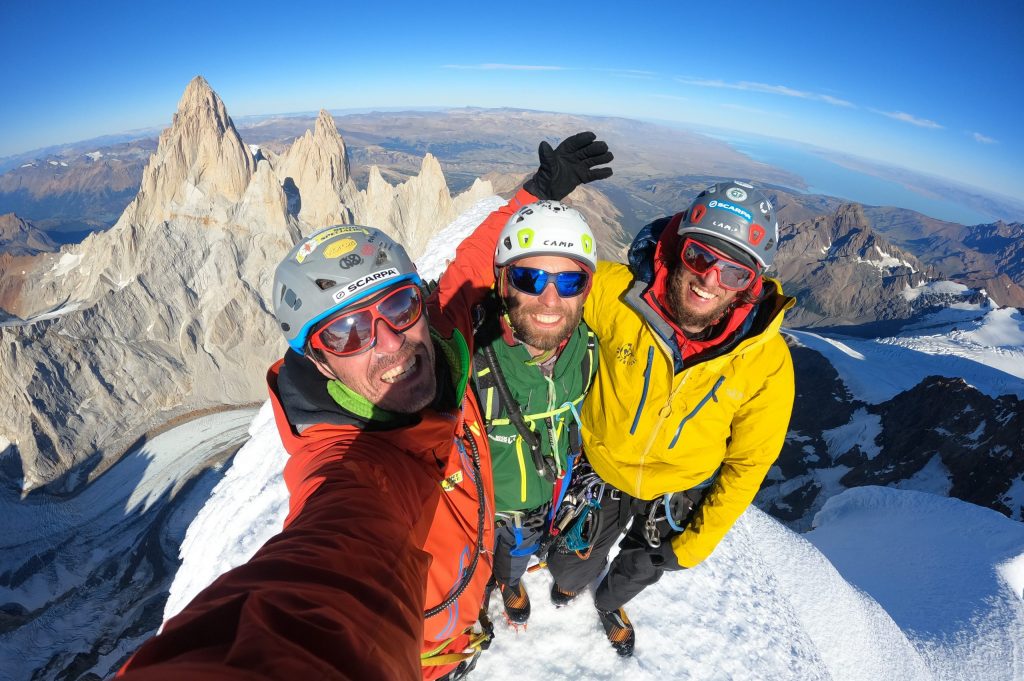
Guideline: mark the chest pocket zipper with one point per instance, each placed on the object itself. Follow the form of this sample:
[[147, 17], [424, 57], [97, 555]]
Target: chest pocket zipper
[[643, 395], [710, 396]]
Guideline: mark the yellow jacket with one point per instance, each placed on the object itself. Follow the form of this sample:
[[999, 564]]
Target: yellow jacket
[[648, 430]]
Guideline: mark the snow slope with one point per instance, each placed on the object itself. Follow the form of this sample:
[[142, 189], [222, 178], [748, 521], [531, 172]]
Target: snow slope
[[768, 604], [949, 573], [984, 346], [918, 587], [68, 594]]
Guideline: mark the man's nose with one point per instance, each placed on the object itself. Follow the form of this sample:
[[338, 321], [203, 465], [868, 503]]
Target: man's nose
[[388, 340], [710, 278], [549, 296]]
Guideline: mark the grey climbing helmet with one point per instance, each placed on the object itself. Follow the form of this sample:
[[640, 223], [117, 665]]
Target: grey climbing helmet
[[739, 219], [331, 270]]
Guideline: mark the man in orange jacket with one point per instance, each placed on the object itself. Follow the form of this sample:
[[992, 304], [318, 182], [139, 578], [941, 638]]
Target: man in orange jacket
[[380, 571]]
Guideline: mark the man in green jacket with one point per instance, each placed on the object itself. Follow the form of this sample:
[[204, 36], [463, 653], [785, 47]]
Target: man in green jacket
[[534, 363]]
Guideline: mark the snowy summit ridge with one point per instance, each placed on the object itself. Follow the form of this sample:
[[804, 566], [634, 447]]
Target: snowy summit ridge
[[768, 604]]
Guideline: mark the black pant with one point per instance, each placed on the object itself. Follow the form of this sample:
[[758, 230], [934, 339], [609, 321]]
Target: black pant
[[630, 573], [509, 568]]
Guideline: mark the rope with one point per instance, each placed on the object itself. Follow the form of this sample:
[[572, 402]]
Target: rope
[[468, 575]]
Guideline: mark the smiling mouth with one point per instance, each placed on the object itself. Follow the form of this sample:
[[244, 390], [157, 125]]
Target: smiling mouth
[[548, 318], [701, 293], [400, 372]]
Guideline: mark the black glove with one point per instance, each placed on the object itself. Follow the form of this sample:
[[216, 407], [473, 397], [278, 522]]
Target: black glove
[[664, 557], [568, 166]]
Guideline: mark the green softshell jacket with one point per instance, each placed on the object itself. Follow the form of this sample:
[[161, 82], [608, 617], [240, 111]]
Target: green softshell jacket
[[517, 484]]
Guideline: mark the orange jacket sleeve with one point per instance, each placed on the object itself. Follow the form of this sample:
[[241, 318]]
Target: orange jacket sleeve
[[471, 274], [303, 607]]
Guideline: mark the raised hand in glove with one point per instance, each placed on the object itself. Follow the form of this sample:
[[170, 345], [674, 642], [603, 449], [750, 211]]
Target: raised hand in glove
[[569, 165], [663, 556]]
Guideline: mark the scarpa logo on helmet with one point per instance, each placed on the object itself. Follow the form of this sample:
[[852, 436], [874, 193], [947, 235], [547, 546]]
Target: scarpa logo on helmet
[[735, 210]]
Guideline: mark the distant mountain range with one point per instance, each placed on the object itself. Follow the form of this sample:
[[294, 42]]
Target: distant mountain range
[[81, 187], [903, 379]]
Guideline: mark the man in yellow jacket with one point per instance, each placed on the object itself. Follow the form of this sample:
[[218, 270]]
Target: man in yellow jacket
[[692, 399]]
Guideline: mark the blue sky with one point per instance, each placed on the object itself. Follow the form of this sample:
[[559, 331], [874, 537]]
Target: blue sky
[[933, 86]]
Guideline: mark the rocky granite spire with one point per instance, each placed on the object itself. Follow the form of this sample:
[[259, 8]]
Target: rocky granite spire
[[318, 167], [167, 311], [200, 169], [415, 209]]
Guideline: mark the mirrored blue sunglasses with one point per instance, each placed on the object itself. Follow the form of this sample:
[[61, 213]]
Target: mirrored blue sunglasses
[[532, 281]]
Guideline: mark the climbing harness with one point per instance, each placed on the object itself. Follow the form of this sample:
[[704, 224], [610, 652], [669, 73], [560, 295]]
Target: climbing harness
[[546, 467]]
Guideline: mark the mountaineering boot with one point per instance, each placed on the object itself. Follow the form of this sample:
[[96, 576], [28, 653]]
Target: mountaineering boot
[[619, 630], [517, 603], [559, 597]]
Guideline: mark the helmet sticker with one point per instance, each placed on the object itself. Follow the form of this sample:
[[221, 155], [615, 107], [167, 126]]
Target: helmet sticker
[[368, 249], [350, 261], [743, 184], [735, 210], [756, 234], [339, 248], [725, 226], [363, 282], [588, 243], [765, 207], [524, 237], [314, 241], [736, 194]]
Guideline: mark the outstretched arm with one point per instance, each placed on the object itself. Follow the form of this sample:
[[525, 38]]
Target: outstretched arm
[[471, 274], [337, 594]]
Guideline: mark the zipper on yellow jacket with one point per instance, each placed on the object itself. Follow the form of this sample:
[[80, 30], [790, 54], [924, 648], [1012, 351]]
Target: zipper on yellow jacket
[[663, 415]]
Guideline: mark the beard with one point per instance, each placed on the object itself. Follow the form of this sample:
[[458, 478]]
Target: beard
[[412, 395], [686, 317], [543, 339]]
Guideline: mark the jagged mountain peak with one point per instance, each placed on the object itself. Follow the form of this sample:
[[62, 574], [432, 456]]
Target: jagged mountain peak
[[165, 295], [315, 171], [199, 96], [325, 124], [201, 167], [849, 216], [843, 272]]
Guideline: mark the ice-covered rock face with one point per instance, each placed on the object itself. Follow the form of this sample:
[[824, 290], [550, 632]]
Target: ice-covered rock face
[[167, 311]]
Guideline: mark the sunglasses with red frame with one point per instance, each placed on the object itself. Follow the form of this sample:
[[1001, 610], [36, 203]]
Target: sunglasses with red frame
[[700, 258], [355, 331]]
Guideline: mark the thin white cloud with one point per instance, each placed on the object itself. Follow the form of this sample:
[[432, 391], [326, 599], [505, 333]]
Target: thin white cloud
[[909, 118], [504, 67], [983, 139], [783, 90], [632, 73]]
